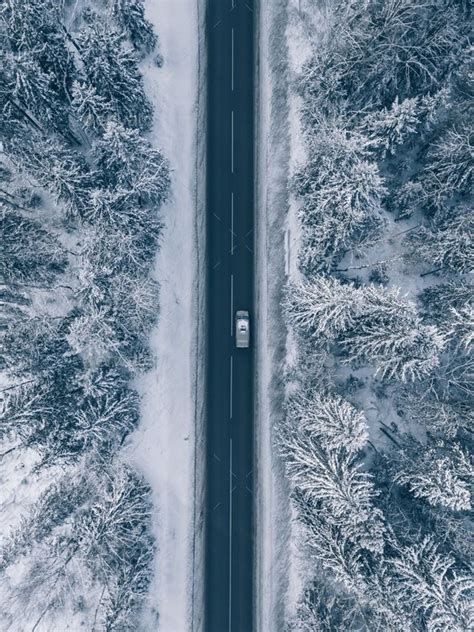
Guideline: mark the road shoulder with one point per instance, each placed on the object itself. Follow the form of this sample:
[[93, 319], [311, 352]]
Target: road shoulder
[[199, 360], [273, 509]]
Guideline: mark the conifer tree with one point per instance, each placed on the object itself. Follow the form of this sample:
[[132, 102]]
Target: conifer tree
[[461, 327], [334, 479], [448, 245], [430, 581], [30, 254], [449, 170], [441, 474], [321, 307], [112, 69], [130, 16], [58, 169], [330, 419], [90, 108], [127, 160]]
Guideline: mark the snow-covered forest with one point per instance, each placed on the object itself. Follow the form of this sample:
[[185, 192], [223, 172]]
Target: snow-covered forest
[[377, 439], [79, 193]]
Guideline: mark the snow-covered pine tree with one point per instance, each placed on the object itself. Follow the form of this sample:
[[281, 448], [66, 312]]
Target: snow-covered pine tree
[[54, 506], [35, 348], [112, 69], [391, 127], [321, 307], [341, 192], [109, 206], [439, 300], [389, 333], [63, 419], [107, 249], [326, 306], [334, 478], [30, 255], [449, 167], [103, 421], [332, 420], [437, 411], [442, 474], [90, 108], [23, 408], [99, 533], [401, 348], [127, 591], [371, 588], [446, 246], [20, 20], [130, 16], [453, 530], [372, 585], [39, 67], [39, 418], [452, 381], [431, 582], [106, 379], [325, 540], [323, 608], [135, 303], [92, 334], [127, 160], [115, 542], [55, 167], [372, 325], [377, 51], [461, 327], [25, 83], [387, 129]]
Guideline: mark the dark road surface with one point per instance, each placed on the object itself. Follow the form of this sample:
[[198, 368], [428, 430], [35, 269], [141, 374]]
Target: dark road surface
[[230, 243]]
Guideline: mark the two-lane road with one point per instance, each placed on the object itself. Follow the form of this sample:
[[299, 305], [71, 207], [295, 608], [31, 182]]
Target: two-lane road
[[230, 244]]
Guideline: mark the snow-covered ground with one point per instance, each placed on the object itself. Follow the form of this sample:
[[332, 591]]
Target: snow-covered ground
[[283, 48], [165, 446], [278, 563]]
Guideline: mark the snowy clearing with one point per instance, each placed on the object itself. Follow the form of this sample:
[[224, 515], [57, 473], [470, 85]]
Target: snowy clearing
[[163, 448]]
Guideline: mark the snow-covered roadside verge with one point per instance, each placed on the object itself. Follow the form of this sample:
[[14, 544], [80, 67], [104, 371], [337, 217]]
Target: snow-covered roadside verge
[[167, 447], [279, 572]]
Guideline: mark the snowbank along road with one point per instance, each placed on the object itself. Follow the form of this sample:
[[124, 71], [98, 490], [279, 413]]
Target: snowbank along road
[[230, 246]]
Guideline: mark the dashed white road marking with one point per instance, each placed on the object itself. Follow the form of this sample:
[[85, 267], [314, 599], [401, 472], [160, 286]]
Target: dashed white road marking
[[232, 141], [231, 305], [232, 68], [231, 385], [232, 223]]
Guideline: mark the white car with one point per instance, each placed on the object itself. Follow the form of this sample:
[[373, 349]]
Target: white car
[[242, 329]]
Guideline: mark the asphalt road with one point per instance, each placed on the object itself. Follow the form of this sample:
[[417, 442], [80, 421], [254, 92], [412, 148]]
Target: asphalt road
[[230, 244]]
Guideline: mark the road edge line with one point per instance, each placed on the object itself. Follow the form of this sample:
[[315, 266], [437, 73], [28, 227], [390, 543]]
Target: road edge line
[[199, 363]]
